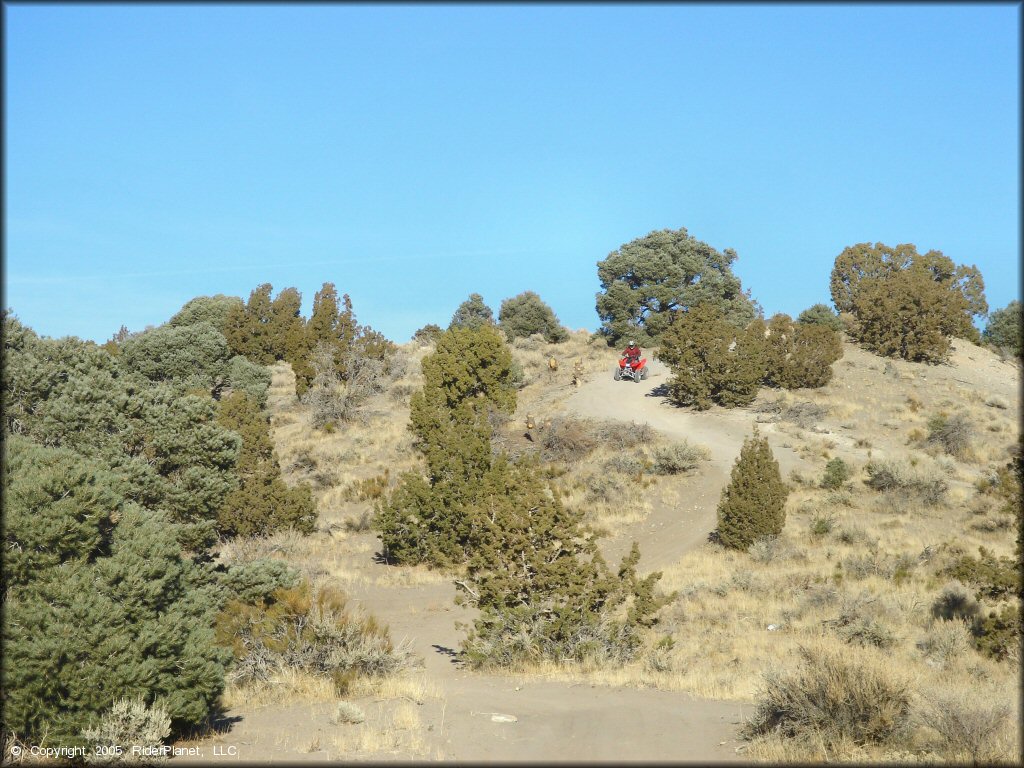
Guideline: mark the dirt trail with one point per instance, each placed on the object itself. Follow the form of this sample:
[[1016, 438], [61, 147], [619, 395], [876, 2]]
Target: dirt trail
[[553, 720], [668, 531]]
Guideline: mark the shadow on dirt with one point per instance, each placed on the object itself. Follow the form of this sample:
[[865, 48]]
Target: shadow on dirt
[[455, 656], [659, 391]]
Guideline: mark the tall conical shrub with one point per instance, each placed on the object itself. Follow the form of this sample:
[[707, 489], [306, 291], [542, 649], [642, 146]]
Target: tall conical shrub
[[753, 504]]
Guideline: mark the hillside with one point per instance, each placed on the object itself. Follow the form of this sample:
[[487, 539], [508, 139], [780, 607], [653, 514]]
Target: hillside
[[849, 557]]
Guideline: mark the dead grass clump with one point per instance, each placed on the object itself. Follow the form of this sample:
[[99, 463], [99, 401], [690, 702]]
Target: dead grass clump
[[347, 712], [896, 568], [967, 726], [775, 549], [852, 534], [925, 480], [945, 642], [804, 414], [368, 489], [627, 464], [858, 623], [955, 603], [308, 629], [678, 457], [951, 433], [834, 695], [568, 439]]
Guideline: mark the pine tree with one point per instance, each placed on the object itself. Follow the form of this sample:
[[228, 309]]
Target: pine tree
[[203, 309], [753, 504]]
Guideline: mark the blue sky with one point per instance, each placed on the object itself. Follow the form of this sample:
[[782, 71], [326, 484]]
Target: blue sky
[[415, 154]]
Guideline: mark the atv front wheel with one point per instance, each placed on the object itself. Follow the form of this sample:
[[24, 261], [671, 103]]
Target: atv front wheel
[[618, 374]]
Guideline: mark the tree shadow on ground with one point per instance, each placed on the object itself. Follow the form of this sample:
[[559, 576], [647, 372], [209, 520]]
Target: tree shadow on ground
[[454, 656]]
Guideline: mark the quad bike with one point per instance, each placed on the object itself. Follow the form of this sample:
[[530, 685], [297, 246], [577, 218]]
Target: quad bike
[[634, 370]]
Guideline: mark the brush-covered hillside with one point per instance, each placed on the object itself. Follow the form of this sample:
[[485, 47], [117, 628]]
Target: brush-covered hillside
[[277, 537]]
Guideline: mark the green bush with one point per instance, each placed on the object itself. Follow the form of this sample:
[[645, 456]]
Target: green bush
[[833, 696], [995, 578], [250, 582], [1004, 330], [428, 334], [954, 604], [998, 635], [252, 379], [837, 472], [527, 314], [821, 314], [822, 525], [753, 503], [807, 354], [471, 314], [711, 360], [924, 480]]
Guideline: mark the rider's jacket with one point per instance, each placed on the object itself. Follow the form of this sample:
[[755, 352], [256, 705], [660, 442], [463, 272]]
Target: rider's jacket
[[631, 353]]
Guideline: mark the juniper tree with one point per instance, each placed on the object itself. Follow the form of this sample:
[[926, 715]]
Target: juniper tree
[[1004, 329], [800, 354], [908, 315], [247, 328], [647, 281], [286, 326], [261, 503], [752, 505], [711, 360], [468, 376], [472, 313], [907, 304], [541, 586], [527, 314]]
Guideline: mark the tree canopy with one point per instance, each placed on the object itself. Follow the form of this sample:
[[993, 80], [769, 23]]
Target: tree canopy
[[906, 304], [648, 279]]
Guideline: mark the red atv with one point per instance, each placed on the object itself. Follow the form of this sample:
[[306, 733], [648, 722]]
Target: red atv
[[635, 369]]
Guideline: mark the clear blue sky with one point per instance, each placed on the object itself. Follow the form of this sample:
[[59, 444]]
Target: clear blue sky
[[415, 154]]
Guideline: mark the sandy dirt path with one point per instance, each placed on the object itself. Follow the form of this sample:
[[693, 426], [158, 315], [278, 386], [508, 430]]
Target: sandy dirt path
[[669, 531]]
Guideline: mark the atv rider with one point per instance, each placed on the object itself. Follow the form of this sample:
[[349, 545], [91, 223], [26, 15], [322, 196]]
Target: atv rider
[[631, 353]]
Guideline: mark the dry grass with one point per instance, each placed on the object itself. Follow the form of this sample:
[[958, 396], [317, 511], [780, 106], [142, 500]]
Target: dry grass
[[853, 565]]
